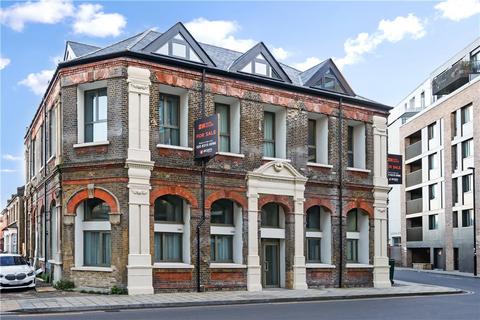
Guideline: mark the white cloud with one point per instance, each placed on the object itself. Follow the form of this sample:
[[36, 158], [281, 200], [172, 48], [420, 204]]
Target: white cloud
[[56, 59], [457, 10], [8, 170], [92, 21], [222, 33], [4, 62], [43, 11], [388, 30], [38, 82], [307, 64], [11, 157]]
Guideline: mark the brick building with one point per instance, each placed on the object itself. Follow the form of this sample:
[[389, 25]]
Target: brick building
[[295, 197]]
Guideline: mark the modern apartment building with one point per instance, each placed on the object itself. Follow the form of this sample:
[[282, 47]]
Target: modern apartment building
[[296, 196], [437, 144]]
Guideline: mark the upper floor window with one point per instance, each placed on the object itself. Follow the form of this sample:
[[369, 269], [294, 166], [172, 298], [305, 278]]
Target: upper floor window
[[95, 115], [269, 134], [466, 114], [433, 222], [356, 150], [467, 183], [179, 47], [169, 119], [260, 66], [52, 135], [454, 157], [467, 218], [422, 100], [454, 124], [467, 148], [318, 139], [431, 131], [223, 112]]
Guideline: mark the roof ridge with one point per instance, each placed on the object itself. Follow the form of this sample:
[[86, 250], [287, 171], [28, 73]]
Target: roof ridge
[[314, 66], [144, 33], [82, 43]]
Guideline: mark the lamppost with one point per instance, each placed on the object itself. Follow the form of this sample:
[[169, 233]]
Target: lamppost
[[474, 226]]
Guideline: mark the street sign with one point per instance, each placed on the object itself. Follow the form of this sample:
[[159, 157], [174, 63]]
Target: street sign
[[206, 136], [394, 168]]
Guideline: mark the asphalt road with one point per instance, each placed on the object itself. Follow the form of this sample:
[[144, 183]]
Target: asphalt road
[[451, 307]]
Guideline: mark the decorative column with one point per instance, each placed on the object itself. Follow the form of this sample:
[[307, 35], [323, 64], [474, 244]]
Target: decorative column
[[139, 166], [299, 269], [254, 282], [381, 276]]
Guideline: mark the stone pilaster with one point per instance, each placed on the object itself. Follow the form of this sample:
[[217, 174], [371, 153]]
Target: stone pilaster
[[380, 192], [254, 278], [299, 269], [139, 167]]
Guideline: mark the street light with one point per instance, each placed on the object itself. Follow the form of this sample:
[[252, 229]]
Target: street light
[[474, 226]]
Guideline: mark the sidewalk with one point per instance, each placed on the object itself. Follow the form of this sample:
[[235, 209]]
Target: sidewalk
[[447, 273], [165, 300]]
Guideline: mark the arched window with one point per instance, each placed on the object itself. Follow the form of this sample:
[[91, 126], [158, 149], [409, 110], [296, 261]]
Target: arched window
[[92, 233], [357, 250], [225, 232], [318, 235], [172, 230], [53, 231], [271, 217]]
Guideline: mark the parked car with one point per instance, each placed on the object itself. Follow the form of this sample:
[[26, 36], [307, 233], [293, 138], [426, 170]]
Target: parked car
[[15, 272]]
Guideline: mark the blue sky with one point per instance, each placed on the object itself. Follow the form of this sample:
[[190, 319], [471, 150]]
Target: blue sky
[[385, 49]]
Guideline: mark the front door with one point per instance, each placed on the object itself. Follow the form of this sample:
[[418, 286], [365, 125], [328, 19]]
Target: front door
[[271, 263]]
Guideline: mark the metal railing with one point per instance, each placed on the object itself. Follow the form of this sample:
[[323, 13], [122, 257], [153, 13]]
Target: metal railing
[[414, 178], [413, 150], [414, 206], [415, 234]]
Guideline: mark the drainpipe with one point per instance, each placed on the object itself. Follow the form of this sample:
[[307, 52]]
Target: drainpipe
[[202, 188], [46, 211], [340, 189]]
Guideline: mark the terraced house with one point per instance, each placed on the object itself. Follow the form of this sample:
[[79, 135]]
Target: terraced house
[[295, 198]]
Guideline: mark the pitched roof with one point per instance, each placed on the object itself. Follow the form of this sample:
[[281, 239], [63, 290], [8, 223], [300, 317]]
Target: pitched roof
[[221, 58], [80, 49]]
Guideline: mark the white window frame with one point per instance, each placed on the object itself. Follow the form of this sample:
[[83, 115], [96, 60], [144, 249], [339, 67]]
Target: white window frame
[[363, 237], [80, 227], [184, 229], [321, 137], [325, 234], [81, 88], [236, 232], [359, 144], [183, 94], [280, 131], [234, 105]]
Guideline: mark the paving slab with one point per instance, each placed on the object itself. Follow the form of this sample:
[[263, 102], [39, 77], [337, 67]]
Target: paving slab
[[165, 300]]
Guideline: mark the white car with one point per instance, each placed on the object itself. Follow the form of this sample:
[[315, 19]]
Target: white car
[[15, 272]]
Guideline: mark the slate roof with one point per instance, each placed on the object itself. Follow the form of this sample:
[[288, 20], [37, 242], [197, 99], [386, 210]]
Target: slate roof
[[81, 49], [222, 57]]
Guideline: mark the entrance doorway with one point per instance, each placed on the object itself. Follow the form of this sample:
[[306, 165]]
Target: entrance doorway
[[271, 263]]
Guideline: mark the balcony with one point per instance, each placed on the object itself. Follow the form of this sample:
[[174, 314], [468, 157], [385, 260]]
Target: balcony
[[413, 150], [455, 77], [414, 178], [414, 206], [415, 234]]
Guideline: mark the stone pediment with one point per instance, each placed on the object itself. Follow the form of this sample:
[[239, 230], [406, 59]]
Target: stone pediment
[[277, 170]]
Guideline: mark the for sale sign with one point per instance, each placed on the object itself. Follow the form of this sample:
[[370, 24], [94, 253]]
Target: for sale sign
[[206, 137], [394, 168]]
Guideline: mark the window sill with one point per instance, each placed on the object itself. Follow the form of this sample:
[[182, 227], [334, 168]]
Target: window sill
[[172, 265], [95, 269], [358, 170], [359, 265], [276, 159], [167, 146], [320, 165], [320, 266], [227, 266], [55, 262], [231, 154], [91, 144]]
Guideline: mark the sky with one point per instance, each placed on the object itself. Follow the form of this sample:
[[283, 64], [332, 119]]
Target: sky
[[384, 49]]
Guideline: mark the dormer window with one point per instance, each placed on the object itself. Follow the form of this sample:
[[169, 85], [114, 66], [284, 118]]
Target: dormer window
[[261, 67], [179, 47], [329, 82]]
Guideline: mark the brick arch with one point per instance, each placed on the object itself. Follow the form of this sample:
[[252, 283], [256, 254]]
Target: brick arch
[[365, 206], [284, 201], [223, 194], [310, 202], [174, 190], [99, 193]]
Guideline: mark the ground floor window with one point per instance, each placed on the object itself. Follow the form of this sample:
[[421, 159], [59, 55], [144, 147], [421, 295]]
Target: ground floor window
[[221, 248], [168, 247], [314, 250], [352, 250], [97, 248]]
